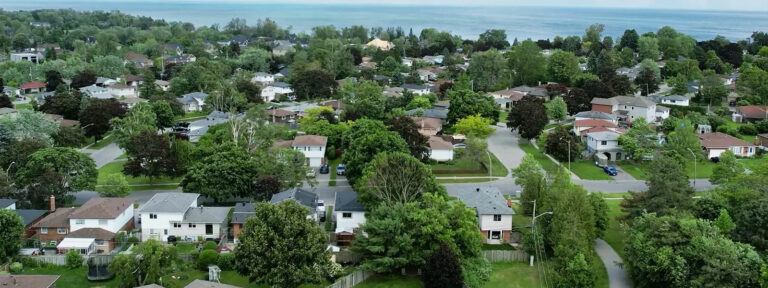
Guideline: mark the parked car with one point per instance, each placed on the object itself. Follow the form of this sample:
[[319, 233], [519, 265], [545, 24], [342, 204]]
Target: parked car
[[341, 169], [320, 206], [311, 173], [715, 159], [459, 146], [182, 124], [325, 169], [275, 101], [610, 170]]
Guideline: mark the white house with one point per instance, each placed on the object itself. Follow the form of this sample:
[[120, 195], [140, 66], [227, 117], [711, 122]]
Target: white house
[[121, 90], [427, 74], [201, 223], [439, 149], [313, 147], [163, 85], [678, 100], [581, 127], [407, 61], [716, 143], [606, 143], [494, 217], [584, 115], [350, 214], [111, 214], [263, 78], [193, 101], [99, 92], [34, 57], [274, 90], [437, 60], [627, 108], [163, 209], [7, 204], [416, 89]]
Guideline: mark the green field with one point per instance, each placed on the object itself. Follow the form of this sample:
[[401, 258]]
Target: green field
[[703, 169], [506, 274], [117, 168], [613, 235], [545, 162], [70, 277], [462, 163], [587, 170]]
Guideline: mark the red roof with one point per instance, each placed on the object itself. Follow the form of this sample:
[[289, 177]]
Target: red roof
[[721, 140], [593, 123], [32, 85], [754, 112]]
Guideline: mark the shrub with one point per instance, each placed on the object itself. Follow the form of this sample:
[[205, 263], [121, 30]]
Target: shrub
[[74, 259], [762, 126], [207, 257], [16, 267], [748, 129], [210, 245], [133, 240], [728, 130], [226, 261]]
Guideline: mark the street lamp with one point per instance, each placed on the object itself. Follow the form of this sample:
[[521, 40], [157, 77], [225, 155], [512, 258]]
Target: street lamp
[[694, 167], [9, 168], [533, 220]]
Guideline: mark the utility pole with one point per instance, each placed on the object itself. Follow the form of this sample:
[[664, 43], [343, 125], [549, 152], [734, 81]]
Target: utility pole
[[569, 152], [533, 220], [694, 168]]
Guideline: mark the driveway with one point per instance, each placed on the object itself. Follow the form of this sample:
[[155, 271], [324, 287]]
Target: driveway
[[504, 144], [105, 155], [622, 175], [617, 277]]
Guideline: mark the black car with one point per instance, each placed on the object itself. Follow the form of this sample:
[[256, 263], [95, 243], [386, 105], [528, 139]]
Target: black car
[[182, 124], [325, 169]]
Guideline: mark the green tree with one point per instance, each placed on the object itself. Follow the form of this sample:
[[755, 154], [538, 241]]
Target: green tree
[[52, 80], [577, 273], [73, 171], [557, 144], [640, 142], [95, 118], [407, 128], [629, 39], [163, 114], [577, 100], [149, 261], [29, 124], [11, 230], [465, 103], [683, 141], [313, 84], [395, 178], [487, 69], [442, 269], [528, 116], [668, 190], [528, 64], [108, 66], [475, 126], [69, 136], [492, 39], [727, 169], [557, 109], [139, 119], [206, 258], [115, 185], [228, 172], [364, 100], [563, 67], [647, 82], [363, 141], [280, 247], [648, 48], [254, 59], [724, 223], [679, 85], [74, 259]]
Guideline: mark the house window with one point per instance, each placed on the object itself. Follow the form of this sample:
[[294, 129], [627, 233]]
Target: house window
[[61, 230], [496, 218], [165, 231], [103, 221], [100, 242], [603, 142], [176, 225], [208, 229], [192, 225], [152, 216], [240, 225], [80, 221], [346, 215], [43, 230], [495, 235]]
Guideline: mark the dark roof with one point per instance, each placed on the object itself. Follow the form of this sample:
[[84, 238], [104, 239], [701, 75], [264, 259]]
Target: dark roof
[[347, 201], [30, 215], [429, 113], [95, 233], [414, 87], [28, 281], [486, 201], [102, 208], [302, 196], [59, 218], [5, 202], [206, 215], [242, 211]]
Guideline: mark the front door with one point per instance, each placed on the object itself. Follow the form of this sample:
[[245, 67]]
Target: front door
[[208, 229]]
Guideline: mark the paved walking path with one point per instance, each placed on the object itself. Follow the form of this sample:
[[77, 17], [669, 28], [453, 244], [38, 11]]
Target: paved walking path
[[105, 155], [617, 277]]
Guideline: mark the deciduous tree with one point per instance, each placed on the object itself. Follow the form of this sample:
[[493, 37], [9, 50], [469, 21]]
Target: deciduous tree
[[228, 172], [11, 231], [442, 269], [149, 154], [395, 178], [475, 126], [149, 261], [529, 117]]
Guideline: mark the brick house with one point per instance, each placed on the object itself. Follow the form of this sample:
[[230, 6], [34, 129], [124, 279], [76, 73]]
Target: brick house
[[494, 217], [239, 215]]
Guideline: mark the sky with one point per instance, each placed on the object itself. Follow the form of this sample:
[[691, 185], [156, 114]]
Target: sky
[[746, 5]]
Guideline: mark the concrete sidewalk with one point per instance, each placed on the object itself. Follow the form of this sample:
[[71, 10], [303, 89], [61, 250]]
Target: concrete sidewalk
[[617, 277]]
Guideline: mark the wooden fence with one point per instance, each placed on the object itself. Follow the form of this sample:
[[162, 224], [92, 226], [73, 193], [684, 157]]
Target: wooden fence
[[352, 279], [505, 256]]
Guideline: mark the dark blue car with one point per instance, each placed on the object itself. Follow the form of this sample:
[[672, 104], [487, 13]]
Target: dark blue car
[[610, 170]]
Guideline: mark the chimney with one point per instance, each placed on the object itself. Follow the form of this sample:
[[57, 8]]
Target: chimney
[[52, 203]]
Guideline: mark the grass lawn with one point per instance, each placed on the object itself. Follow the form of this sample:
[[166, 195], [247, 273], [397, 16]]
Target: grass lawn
[[503, 116], [227, 277], [102, 143], [520, 221], [512, 274], [753, 163], [185, 248], [117, 167], [23, 106], [70, 277], [332, 170], [703, 169], [195, 115], [462, 163], [587, 170], [601, 274], [545, 162], [613, 235]]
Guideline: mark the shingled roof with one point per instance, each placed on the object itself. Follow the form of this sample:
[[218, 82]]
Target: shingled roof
[[102, 208]]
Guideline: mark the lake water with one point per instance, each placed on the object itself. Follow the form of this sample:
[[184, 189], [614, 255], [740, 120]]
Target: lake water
[[469, 22]]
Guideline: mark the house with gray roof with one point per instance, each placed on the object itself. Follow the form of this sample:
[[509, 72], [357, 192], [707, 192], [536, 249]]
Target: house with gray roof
[[201, 222], [441, 114], [350, 214], [494, 216], [605, 143], [8, 204], [305, 198], [627, 108], [164, 211], [416, 88], [678, 100], [241, 213], [193, 101]]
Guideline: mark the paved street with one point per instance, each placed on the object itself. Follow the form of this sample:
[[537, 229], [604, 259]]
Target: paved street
[[105, 155], [617, 277]]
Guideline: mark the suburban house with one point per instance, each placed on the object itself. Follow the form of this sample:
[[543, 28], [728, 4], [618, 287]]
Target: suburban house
[[173, 49], [131, 102], [750, 113], [99, 92], [281, 50], [275, 90], [437, 60], [29, 216], [428, 126], [716, 143], [163, 209], [381, 44], [335, 104], [133, 80], [11, 91], [539, 92], [305, 198], [55, 226], [439, 149], [349, 214], [393, 91], [7, 204], [584, 126], [605, 143], [33, 57], [163, 85], [408, 61], [193, 101], [506, 98], [281, 116], [263, 78], [122, 91], [240, 40], [427, 74], [105, 82], [595, 115], [762, 141], [416, 89], [32, 87], [101, 219], [179, 59], [239, 215], [678, 100], [494, 217], [28, 281], [201, 223], [138, 60], [441, 114], [313, 147], [626, 108]]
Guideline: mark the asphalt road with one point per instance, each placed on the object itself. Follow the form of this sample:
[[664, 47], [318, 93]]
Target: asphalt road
[[105, 155]]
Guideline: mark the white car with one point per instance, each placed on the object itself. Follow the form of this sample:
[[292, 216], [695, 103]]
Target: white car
[[311, 173], [321, 206]]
